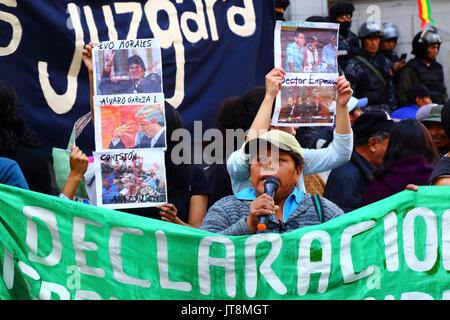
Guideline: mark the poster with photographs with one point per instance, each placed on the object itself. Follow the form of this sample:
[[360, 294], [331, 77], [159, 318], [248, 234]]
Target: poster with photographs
[[308, 53], [127, 67], [130, 122], [130, 178]]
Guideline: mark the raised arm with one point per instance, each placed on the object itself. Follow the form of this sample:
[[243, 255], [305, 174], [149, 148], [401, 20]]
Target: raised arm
[[78, 165], [262, 120], [340, 149], [342, 117], [337, 153], [87, 59]]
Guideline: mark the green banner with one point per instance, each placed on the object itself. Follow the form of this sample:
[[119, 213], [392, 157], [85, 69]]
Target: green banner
[[52, 248]]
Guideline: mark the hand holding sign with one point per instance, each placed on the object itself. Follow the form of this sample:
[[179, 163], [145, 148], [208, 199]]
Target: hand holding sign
[[273, 82], [345, 91], [87, 56]]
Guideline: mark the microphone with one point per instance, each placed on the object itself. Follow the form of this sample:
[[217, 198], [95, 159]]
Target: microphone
[[270, 187]]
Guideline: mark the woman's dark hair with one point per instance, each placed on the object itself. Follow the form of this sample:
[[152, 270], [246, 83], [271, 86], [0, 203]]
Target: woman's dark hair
[[13, 129], [179, 176], [408, 138], [239, 113]]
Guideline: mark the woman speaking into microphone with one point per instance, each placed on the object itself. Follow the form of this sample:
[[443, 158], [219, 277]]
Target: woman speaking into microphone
[[273, 154]]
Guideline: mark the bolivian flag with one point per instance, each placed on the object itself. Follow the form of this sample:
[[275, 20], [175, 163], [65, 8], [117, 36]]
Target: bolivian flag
[[425, 12]]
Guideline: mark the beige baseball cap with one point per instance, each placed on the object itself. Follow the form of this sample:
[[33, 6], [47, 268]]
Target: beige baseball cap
[[280, 139]]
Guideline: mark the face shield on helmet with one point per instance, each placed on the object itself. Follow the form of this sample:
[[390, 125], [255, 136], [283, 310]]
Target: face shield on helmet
[[428, 36]]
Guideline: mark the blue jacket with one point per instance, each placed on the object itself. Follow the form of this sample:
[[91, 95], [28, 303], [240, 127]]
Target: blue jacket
[[407, 112], [346, 184]]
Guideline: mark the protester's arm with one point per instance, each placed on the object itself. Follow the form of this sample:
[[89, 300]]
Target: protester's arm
[[342, 117], [340, 149], [238, 169], [237, 163], [274, 78], [198, 201], [337, 153], [262, 119], [198, 205], [87, 59], [78, 166]]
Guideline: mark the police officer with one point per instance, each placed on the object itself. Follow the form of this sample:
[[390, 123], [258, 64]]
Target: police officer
[[424, 68], [369, 72], [388, 43], [348, 43]]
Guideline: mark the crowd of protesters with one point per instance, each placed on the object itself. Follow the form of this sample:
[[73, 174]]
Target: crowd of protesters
[[391, 133]]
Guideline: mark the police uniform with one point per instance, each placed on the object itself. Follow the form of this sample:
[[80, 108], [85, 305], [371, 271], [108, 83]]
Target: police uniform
[[417, 71], [348, 43], [371, 76], [390, 32], [348, 46], [431, 75], [365, 83]]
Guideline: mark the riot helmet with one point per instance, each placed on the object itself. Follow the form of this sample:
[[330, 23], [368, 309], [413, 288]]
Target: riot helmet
[[423, 39], [390, 31], [372, 29]]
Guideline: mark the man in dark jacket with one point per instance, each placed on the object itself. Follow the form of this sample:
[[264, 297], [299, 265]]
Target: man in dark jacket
[[346, 184], [369, 72]]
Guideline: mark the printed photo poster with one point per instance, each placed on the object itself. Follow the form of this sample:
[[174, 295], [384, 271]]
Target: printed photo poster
[[307, 51], [130, 122], [127, 67], [130, 178]]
